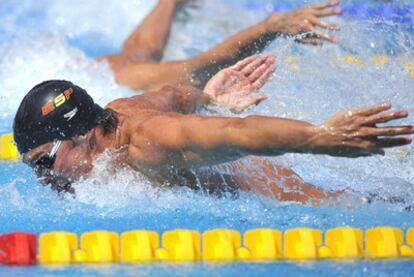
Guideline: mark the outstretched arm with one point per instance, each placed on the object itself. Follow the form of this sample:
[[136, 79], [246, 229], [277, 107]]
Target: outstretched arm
[[234, 88], [352, 133], [199, 69], [254, 39]]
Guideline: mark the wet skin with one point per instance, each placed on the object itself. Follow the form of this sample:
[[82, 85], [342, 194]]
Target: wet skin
[[353, 133], [150, 136], [139, 64]]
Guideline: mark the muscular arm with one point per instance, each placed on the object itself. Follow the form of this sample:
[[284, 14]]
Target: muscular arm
[[199, 69], [245, 43], [256, 135], [254, 39], [216, 139], [151, 35]]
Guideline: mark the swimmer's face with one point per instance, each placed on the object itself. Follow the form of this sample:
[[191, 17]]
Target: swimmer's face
[[72, 161]]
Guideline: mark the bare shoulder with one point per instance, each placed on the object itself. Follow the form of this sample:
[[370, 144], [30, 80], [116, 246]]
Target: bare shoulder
[[131, 105], [117, 103], [164, 99]]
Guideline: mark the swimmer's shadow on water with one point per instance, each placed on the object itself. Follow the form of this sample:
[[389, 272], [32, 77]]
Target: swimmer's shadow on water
[[399, 196], [401, 201]]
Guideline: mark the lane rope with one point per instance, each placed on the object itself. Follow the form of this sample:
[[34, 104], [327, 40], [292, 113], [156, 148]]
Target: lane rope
[[216, 245]]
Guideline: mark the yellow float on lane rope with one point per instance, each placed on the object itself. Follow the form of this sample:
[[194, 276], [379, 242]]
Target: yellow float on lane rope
[[221, 245], [8, 149], [384, 242], [408, 250], [264, 244], [303, 243], [57, 247], [344, 242], [182, 245], [138, 246], [100, 246]]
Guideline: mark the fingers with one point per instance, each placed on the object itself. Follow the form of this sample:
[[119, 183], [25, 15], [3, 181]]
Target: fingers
[[253, 65], [324, 5], [258, 72], [241, 64], [375, 147], [322, 23], [385, 117], [392, 142], [390, 131], [313, 41], [370, 110], [327, 37], [316, 38], [263, 72], [309, 35], [254, 100], [326, 9], [262, 79], [327, 12]]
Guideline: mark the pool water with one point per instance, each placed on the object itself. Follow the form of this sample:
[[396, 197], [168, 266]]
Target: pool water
[[45, 40]]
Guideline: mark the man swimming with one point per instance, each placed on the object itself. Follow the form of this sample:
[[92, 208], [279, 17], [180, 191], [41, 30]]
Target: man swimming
[[60, 131], [138, 64]]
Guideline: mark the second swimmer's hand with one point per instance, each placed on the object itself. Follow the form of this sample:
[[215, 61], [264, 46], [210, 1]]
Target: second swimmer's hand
[[235, 87], [354, 133], [305, 20]]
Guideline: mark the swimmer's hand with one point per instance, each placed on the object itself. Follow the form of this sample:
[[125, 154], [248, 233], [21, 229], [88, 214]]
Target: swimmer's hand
[[354, 133], [235, 87], [302, 22]]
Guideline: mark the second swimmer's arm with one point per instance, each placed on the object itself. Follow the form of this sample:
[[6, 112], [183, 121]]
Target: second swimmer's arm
[[253, 39], [151, 35]]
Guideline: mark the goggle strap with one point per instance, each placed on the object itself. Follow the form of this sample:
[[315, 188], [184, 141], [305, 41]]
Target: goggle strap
[[55, 148]]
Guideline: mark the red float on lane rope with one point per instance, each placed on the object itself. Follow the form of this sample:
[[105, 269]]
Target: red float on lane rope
[[18, 248]]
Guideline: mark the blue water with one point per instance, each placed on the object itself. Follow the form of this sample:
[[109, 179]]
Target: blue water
[[42, 40], [324, 268]]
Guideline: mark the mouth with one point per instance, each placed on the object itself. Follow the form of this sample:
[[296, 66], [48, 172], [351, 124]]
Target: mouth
[[58, 184], [61, 185]]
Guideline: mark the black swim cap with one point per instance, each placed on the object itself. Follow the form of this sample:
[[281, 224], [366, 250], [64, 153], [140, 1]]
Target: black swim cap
[[54, 110]]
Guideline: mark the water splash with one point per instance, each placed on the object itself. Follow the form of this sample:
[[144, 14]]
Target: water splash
[[124, 200]]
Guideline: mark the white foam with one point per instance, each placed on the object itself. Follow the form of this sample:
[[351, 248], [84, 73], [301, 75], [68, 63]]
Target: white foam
[[316, 93], [30, 60]]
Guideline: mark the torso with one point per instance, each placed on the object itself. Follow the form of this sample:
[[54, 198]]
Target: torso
[[132, 114]]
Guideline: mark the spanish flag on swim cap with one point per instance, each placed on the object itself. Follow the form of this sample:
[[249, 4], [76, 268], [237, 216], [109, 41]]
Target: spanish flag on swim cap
[[53, 110]]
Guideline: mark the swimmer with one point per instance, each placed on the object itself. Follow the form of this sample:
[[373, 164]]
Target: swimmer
[[138, 64], [60, 131]]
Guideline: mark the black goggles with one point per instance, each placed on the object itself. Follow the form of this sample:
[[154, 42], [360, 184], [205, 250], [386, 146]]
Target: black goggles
[[47, 160]]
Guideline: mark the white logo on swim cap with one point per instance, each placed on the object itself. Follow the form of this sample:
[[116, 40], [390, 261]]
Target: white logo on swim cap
[[71, 114]]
